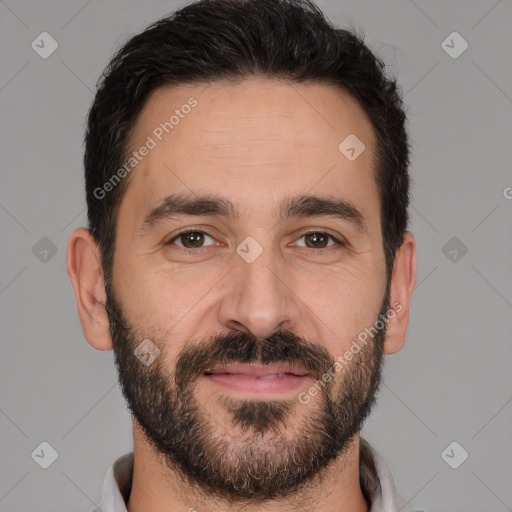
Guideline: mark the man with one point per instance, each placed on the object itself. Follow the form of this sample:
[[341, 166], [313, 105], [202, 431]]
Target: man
[[247, 258]]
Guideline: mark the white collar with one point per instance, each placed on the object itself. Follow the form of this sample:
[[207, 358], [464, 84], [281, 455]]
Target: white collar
[[376, 481]]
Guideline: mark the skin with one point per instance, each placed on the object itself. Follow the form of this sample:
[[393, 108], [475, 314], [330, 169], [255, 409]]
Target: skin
[[253, 143]]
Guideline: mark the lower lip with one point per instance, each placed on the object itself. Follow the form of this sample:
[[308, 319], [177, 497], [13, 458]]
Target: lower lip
[[277, 384]]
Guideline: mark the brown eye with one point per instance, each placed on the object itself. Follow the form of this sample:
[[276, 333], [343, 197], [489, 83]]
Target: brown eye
[[192, 239], [319, 240], [316, 240]]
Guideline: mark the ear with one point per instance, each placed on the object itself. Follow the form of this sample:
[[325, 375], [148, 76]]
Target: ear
[[83, 261], [403, 281]]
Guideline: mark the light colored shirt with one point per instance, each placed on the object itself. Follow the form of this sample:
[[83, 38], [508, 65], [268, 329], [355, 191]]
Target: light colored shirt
[[376, 483]]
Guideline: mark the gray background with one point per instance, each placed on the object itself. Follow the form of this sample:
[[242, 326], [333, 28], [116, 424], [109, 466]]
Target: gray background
[[452, 381]]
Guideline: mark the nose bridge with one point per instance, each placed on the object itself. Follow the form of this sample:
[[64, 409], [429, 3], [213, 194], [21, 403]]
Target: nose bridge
[[258, 299]]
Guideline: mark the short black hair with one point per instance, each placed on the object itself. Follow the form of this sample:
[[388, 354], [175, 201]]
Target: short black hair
[[231, 40]]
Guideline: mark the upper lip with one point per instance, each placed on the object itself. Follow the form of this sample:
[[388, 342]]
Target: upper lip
[[257, 370]]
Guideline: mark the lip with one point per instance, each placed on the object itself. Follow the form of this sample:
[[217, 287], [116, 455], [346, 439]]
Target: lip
[[256, 370], [256, 378]]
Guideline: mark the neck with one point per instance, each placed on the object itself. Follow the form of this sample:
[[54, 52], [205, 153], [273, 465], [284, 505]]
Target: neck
[[155, 487]]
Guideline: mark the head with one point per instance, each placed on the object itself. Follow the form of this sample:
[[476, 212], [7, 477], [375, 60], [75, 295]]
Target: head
[[279, 144]]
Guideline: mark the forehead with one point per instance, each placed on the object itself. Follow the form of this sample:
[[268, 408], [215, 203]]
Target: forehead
[[254, 139]]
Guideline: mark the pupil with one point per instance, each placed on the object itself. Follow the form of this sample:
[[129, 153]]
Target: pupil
[[194, 239], [315, 238]]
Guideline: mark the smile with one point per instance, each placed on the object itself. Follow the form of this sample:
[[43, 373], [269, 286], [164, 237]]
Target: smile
[[257, 379]]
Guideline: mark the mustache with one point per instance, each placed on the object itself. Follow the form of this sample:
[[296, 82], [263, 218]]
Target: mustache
[[282, 347]]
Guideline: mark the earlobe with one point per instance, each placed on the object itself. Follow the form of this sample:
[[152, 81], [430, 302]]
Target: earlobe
[[403, 282], [86, 274]]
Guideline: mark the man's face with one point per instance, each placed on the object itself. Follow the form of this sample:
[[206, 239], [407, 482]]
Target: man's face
[[250, 309]]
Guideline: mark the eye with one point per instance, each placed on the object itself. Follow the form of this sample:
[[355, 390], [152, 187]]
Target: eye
[[190, 239], [195, 239], [319, 240]]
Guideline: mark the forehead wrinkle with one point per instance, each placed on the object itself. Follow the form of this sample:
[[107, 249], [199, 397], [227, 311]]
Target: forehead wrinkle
[[249, 115], [250, 121], [242, 143]]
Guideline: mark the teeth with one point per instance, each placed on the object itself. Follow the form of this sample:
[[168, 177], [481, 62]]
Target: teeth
[[270, 377], [262, 377]]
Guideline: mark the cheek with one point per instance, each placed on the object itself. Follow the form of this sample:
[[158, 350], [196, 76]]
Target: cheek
[[156, 293], [344, 305], [163, 306]]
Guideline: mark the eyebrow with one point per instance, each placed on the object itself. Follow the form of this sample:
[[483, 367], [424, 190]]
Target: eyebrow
[[302, 206]]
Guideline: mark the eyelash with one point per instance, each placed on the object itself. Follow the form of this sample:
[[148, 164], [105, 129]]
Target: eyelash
[[339, 243]]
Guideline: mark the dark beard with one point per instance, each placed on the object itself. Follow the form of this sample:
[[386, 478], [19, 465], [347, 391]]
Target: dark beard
[[266, 464]]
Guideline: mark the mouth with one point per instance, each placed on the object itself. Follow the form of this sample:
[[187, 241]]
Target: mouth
[[257, 379]]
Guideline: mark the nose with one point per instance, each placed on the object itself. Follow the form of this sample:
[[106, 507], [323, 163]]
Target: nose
[[259, 298]]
